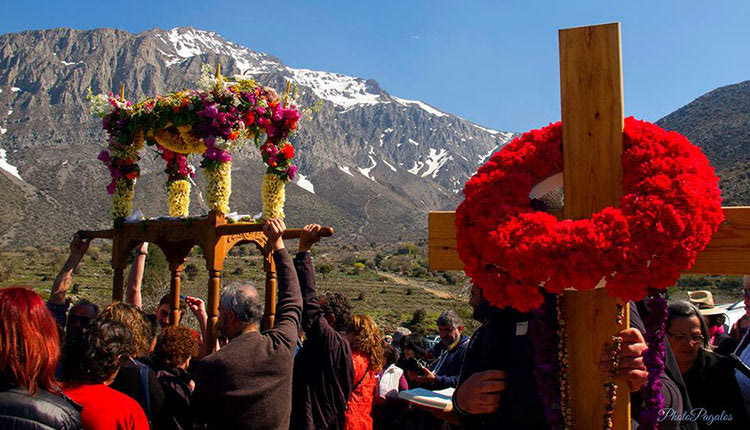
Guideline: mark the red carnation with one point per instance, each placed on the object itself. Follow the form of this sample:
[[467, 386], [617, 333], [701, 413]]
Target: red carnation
[[288, 151]]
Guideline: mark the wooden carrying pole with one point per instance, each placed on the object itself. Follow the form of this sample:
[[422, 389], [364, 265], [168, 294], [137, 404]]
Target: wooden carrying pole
[[592, 122]]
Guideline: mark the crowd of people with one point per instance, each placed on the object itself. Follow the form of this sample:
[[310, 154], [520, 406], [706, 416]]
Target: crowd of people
[[72, 365]]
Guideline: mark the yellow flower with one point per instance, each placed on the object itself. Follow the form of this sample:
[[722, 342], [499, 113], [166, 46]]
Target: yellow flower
[[179, 198], [180, 139], [122, 199], [273, 196], [219, 186]]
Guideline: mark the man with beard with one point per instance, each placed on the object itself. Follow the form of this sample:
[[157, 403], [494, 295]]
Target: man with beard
[[497, 388], [247, 384]]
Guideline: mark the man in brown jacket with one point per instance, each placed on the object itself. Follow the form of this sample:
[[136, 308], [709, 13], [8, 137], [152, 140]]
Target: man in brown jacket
[[247, 384]]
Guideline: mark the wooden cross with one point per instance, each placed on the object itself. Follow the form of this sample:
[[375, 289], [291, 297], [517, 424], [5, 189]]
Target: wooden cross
[[592, 121]]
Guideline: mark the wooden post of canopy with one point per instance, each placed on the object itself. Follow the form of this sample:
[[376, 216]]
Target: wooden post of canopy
[[591, 88]]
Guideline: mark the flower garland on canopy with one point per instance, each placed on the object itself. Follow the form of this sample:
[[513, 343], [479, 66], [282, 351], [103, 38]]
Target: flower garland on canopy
[[121, 156], [178, 171], [216, 119], [670, 208]]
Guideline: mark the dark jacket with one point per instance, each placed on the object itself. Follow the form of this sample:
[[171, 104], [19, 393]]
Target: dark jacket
[[503, 343], [43, 411], [673, 390], [247, 384], [711, 386], [447, 366], [128, 381], [323, 371], [175, 412]]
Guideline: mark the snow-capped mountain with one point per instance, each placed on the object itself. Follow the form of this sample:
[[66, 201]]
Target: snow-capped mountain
[[371, 164]]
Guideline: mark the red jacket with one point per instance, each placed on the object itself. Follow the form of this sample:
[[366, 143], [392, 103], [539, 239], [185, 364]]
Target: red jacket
[[359, 408]]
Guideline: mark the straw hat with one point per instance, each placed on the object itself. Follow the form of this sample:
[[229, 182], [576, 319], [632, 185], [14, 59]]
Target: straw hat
[[704, 301]]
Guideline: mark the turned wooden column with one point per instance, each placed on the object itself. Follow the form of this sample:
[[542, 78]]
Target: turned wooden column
[[174, 296], [118, 283], [212, 309], [269, 313]]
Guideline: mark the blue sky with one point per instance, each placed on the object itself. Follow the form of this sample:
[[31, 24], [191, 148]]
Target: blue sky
[[492, 62]]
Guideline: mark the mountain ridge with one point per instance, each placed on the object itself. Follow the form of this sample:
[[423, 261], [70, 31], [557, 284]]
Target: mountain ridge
[[409, 156]]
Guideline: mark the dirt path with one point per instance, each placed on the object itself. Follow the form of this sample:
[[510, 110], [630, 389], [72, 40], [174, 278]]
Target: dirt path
[[408, 282], [367, 214]]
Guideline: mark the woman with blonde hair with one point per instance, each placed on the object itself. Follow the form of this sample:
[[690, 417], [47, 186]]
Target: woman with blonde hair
[[366, 341], [135, 378]]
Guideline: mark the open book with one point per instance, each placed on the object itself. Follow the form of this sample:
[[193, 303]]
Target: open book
[[440, 399]]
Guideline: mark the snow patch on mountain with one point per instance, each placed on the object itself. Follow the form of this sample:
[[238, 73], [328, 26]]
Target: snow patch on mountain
[[13, 170], [68, 63], [420, 104], [435, 161], [16, 89], [366, 171], [417, 167], [188, 42], [3, 130], [413, 142], [389, 165], [342, 90], [346, 170], [304, 183], [486, 156]]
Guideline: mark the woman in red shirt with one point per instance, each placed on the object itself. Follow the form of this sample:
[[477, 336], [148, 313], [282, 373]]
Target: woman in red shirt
[[92, 362], [366, 341]]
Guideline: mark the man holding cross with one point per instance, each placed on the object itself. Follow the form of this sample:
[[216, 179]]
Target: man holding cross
[[497, 388]]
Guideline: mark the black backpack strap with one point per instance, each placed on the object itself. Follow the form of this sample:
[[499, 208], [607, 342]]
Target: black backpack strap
[[144, 387], [369, 364]]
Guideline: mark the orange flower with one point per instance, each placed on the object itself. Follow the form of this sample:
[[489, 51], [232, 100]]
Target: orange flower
[[234, 135], [132, 175]]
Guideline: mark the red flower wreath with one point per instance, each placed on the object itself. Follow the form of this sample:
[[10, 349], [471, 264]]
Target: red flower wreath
[[670, 209]]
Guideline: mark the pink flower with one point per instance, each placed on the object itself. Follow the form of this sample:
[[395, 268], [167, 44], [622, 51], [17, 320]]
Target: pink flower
[[224, 156], [291, 171], [111, 187]]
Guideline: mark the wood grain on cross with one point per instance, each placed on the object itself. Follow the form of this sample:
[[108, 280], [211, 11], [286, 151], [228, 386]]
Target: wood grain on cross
[[592, 121]]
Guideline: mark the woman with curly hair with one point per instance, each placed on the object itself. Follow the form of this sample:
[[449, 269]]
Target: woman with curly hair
[[30, 397], [366, 341], [176, 346], [92, 364], [135, 378]]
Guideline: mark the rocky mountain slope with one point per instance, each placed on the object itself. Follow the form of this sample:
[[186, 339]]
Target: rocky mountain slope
[[371, 164], [719, 122]]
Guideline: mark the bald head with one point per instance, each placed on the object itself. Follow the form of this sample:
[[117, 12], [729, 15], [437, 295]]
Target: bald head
[[242, 299]]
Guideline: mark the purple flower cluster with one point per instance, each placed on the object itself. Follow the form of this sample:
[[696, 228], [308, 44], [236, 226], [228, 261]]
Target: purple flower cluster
[[543, 332], [655, 335]]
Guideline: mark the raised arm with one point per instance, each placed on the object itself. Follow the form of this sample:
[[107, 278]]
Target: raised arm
[[135, 276], [289, 307], [64, 279], [311, 311]]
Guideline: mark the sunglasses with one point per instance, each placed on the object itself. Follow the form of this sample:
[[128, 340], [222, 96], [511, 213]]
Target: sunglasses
[[83, 321]]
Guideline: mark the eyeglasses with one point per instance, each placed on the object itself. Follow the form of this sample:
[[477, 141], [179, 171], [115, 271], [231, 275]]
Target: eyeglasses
[[83, 321], [693, 338]]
